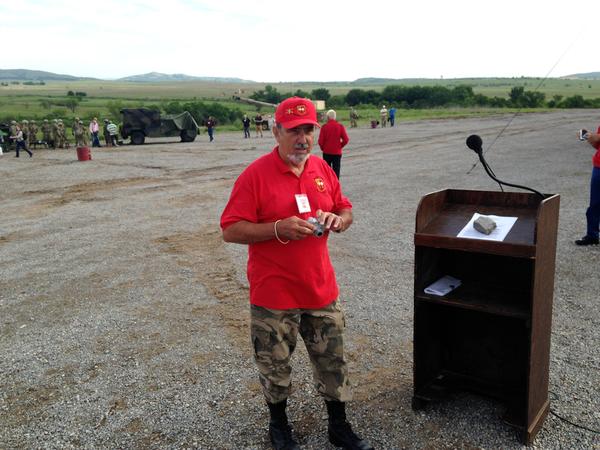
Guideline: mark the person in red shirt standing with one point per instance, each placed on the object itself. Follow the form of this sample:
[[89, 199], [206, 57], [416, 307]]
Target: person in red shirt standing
[[293, 289], [593, 211], [332, 139]]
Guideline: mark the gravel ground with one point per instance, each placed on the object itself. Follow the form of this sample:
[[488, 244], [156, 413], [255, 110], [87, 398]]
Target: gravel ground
[[124, 317]]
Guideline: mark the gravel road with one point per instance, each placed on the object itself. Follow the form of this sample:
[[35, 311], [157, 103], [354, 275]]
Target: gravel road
[[124, 317]]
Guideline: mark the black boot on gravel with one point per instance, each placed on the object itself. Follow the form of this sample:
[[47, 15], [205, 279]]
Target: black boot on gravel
[[279, 428], [340, 431]]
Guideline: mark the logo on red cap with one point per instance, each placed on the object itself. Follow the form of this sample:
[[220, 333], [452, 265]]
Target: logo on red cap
[[300, 110]]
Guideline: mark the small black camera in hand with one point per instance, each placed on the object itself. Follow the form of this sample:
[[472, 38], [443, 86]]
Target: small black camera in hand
[[320, 228]]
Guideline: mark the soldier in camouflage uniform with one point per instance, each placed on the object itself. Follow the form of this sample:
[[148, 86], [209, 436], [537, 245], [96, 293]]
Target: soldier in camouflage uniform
[[353, 118], [25, 130], [74, 126], [33, 131], [106, 133], [56, 135], [81, 136], [292, 287], [46, 132], [13, 132], [63, 134]]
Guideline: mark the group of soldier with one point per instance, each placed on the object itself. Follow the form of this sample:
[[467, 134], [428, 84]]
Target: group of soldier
[[55, 135]]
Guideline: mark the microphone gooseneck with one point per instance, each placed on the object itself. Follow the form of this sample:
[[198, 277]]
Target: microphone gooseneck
[[475, 143]]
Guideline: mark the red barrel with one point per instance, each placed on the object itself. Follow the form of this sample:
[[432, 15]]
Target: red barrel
[[83, 154]]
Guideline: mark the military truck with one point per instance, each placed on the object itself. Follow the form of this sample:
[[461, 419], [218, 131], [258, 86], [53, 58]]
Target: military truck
[[5, 131], [140, 123]]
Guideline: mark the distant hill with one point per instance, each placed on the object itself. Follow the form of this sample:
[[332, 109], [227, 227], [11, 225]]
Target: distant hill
[[374, 80], [588, 76], [39, 75], [155, 76], [36, 75]]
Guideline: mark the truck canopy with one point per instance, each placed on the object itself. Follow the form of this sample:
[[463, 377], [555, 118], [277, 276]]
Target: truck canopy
[[141, 117], [183, 121]]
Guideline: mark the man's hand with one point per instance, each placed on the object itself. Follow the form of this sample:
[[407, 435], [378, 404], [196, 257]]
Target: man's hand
[[593, 140], [335, 222], [294, 228]]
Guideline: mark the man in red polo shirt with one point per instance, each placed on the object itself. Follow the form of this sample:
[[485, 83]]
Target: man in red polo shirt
[[332, 139], [292, 282], [593, 211]]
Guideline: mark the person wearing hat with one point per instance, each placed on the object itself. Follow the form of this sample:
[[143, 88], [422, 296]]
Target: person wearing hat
[[106, 133], [33, 131], [353, 118], [74, 126], [46, 132], [63, 134], [12, 131], [293, 289], [383, 113], [81, 135], [25, 131], [56, 135]]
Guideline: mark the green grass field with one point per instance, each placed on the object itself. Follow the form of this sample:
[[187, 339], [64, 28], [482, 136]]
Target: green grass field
[[19, 101]]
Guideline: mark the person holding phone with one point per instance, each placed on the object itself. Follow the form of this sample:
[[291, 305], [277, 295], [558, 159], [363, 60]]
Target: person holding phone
[[593, 212]]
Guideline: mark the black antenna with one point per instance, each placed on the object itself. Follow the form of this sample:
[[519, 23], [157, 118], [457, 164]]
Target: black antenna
[[536, 88]]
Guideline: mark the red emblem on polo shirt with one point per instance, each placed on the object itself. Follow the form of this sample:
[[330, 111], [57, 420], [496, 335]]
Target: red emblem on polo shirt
[[320, 184]]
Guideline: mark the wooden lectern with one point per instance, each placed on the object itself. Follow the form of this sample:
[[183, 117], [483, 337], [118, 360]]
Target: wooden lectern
[[491, 335]]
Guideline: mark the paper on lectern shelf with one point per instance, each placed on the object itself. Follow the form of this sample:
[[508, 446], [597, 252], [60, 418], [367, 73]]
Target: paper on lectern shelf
[[443, 286]]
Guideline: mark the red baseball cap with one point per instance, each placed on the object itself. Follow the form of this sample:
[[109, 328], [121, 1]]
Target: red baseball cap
[[296, 111]]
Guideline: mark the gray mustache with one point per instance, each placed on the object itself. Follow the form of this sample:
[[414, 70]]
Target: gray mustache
[[300, 146]]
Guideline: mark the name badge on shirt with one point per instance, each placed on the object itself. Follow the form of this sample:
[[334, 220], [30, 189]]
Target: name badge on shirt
[[303, 205]]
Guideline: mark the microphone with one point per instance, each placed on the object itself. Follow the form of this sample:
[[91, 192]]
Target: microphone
[[475, 143]]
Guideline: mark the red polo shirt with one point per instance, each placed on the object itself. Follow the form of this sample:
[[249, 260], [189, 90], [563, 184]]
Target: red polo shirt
[[333, 137], [299, 274], [596, 159]]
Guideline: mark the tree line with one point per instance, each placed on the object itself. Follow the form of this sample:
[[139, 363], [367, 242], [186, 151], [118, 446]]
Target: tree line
[[426, 97]]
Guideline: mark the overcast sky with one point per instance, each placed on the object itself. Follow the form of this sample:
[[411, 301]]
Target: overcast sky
[[306, 40]]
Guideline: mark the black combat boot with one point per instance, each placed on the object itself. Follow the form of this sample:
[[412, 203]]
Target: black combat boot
[[340, 431], [279, 428]]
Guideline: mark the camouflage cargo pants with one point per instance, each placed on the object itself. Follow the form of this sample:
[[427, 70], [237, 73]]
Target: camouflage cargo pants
[[274, 338]]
